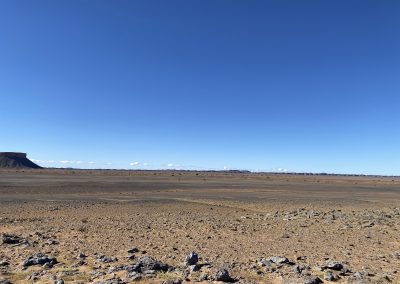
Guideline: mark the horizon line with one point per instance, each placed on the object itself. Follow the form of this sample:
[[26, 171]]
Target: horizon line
[[224, 171]]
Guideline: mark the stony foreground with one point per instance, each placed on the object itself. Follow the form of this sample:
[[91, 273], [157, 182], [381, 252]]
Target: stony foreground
[[93, 227]]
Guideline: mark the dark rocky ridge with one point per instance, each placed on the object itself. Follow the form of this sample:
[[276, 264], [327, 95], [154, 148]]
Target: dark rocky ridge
[[14, 160]]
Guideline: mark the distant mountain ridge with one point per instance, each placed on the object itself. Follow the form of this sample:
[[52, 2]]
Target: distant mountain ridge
[[16, 160]]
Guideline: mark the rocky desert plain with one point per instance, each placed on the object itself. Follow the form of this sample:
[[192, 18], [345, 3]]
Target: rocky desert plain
[[110, 226]]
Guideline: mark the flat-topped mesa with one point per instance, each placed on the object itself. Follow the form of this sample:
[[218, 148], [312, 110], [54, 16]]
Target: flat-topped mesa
[[16, 160], [13, 155]]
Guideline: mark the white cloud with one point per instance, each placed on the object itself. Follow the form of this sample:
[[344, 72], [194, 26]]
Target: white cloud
[[42, 161], [145, 164], [134, 163], [72, 162], [170, 165], [62, 162]]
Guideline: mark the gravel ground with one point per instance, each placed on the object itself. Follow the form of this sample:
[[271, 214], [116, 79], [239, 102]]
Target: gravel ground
[[76, 226]]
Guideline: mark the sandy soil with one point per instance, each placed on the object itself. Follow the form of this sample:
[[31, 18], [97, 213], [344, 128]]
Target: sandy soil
[[88, 220]]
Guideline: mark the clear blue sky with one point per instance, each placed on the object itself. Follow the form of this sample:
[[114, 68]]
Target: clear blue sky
[[260, 85]]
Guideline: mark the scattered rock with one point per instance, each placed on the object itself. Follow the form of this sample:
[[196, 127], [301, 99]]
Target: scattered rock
[[35, 276], [135, 276], [368, 225], [39, 259], [11, 239], [194, 268], [4, 263], [223, 275], [148, 263], [111, 281], [357, 276], [47, 265], [192, 258], [385, 277], [82, 255], [265, 262], [300, 269], [106, 259], [80, 262], [334, 265], [345, 270], [175, 281], [149, 273], [97, 273], [312, 280], [133, 250], [278, 259], [203, 277], [328, 275], [51, 242]]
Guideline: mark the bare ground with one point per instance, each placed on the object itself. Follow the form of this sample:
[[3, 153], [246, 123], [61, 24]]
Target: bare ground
[[232, 221]]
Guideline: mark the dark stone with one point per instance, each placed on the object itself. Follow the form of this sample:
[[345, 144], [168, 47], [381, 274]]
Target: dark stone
[[358, 276], [194, 268], [396, 255], [10, 239], [312, 280], [133, 250], [135, 276], [148, 263], [334, 265], [345, 270], [175, 281], [278, 259], [192, 258], [4, 263], [330, 276], [203, 277], [82, 255], [111, 281], [35, 276], [299, 269], [52, 242], [265, 262], [47, 265], [223, 275], [107, 259], [39, 259], [80, 262]]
